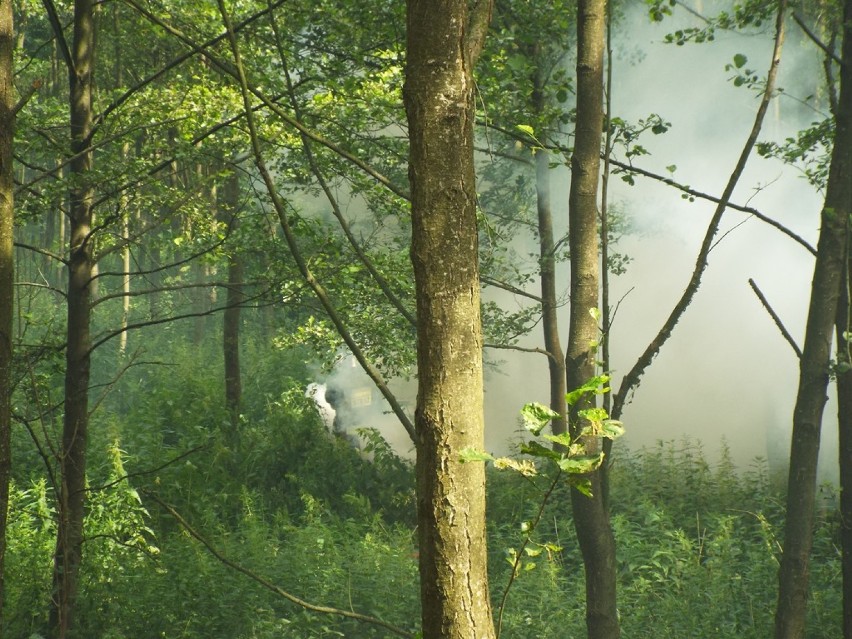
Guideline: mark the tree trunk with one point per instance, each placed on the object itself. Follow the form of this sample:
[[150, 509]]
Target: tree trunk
[[547, 270], [231, 317], [125, 261], [814, 364], [80, 267], [444, 40], [844, 421], [591, 517], [7, 191]]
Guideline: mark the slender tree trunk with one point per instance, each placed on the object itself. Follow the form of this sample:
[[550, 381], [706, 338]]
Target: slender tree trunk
[[547, 270], [591, 518], [125, 263], [444, 40], [231, 317], [7, 191], [203, 298], [80, 267], [814, 364]]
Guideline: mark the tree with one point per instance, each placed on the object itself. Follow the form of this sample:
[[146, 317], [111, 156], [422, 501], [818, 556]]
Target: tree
[[229, 207], [443, 42], [7, 129], [591, 518], [844, 423], [79, 60], [814, 364]]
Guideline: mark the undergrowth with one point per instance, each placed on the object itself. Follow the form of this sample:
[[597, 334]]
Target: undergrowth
[[698, 542]]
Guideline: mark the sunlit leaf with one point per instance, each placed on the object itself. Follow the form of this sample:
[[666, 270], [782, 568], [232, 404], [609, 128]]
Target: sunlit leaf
[[536, 416], [581, 464], [562, 439], [534, 449], [592, 386], [523, 466], [612, 429], [526, 128]]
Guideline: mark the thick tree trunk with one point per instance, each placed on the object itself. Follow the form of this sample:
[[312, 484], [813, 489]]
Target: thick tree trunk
[[80, 268], [814, 364], [591, 517], [844, 421], [444, 40], [7, 190]]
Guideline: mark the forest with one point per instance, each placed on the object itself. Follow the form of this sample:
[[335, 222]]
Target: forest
[[438, 319]]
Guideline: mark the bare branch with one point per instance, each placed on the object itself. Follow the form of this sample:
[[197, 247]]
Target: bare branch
[[784, 332], [25, 96], [490, 281], [150, 471], [712, 198], [56, 25], [162, 320], [41, 251], [829, 51], [268, 584], [631, 380], [520, 349]]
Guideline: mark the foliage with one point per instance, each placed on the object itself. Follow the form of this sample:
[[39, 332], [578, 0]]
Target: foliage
[[290, 500], [698, 551], [809, 151], [690, 532]]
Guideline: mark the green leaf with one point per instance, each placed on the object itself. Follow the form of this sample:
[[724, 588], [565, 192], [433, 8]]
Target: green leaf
[[583, 485], [526, 128], [534, 449], [563, 439], [511, 556], [612, 429], [591, 386], [470, 454], [580, 464], [740, 60], [536, 416], [596, 414]]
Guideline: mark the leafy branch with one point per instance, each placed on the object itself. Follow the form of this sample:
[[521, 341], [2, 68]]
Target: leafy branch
[[567, 454]]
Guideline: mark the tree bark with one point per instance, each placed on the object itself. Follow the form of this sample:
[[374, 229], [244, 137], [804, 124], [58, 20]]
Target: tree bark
[[591, 518], [231, 316], [814, 364], [80, 268], [844, 422], [444, 40], [547, 269], [7, 191]]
